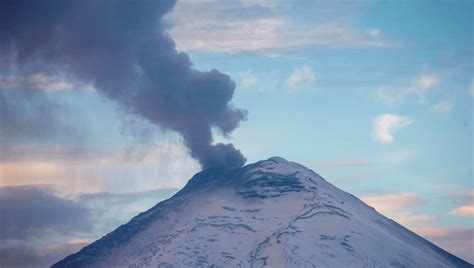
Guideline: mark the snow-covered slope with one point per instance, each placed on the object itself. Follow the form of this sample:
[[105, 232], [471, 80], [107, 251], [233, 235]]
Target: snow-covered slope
[[274, 213]]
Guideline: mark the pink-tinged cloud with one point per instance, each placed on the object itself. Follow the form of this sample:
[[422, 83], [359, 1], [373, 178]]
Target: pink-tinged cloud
[[393, 203], [76, 169], [464, 211], [459, 241], [401, 206]]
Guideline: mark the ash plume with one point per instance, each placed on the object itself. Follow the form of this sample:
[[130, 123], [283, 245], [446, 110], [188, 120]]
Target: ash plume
[[124, 50]]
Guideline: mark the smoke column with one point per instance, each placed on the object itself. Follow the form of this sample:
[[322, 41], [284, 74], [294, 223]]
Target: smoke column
[[123, 49]]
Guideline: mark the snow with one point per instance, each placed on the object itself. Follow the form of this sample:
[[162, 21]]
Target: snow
[[274, 213]]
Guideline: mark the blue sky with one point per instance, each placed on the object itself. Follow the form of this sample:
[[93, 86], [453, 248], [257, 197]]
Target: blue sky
[[375, 96]]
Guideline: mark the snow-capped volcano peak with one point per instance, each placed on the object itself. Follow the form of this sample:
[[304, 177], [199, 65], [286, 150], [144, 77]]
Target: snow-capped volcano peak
[[275, 175], [273, 212]]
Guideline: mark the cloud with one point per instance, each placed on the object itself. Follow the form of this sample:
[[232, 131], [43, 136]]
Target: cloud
[[34, 211], [20, 254], [443, 107], [124, 51], [385, 125], [424, 83], [393, 203], [466, 196], [112, 209], [457, 240], [419, 87], [38, 81], [29, 115], [301, 78], [263, 82], [262, 28], [41, 224], [402, 206], [121, 199], [246, 79], [374, 32], [85, 169], [466, 210]]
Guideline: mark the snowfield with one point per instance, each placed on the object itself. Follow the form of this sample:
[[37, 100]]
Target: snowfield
[[272, 213]]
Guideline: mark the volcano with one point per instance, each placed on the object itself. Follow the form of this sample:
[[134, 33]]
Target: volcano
[[271, 213]]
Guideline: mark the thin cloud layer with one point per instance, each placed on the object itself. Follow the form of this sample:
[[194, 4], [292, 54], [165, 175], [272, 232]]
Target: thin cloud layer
[[418, 87], [124, 51], [83, 169], [243, 27]]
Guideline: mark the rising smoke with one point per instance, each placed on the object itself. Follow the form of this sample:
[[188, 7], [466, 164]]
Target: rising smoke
[[124, 50]]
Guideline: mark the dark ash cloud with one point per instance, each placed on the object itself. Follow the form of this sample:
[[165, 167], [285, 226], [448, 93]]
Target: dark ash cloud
[[123, 49]]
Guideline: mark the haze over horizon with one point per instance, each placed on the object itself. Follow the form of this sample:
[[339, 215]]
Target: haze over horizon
[[375, 96]]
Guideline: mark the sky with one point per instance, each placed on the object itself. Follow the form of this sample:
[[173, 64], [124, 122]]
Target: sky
[[375, 96]]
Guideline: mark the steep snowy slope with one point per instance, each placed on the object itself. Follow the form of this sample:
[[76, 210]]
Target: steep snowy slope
[[274, 213]]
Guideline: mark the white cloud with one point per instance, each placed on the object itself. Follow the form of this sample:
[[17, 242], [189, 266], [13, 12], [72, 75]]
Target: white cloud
[[385, 125], [302, 77]]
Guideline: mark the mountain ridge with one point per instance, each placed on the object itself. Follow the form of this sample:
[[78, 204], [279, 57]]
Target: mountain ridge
[[277, 212]]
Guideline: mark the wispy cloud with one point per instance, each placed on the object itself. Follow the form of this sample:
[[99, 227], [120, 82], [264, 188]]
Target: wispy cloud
[[301, 78], [394, 203], [89, 169], [442, 107], [418, 87], [466, 210], [39, 81], [238, 26], [385, 125], [375, 32], [466, 197]]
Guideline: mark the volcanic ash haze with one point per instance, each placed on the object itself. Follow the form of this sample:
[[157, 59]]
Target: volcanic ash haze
[[123, 49]]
